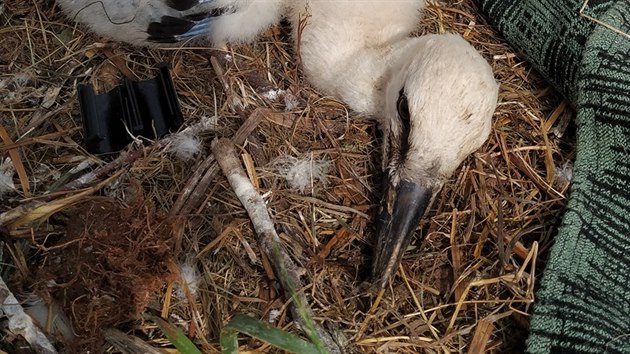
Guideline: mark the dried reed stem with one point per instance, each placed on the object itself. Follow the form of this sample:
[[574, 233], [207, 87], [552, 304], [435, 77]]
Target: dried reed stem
[[286, 271]]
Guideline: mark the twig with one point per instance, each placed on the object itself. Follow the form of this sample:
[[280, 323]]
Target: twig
[[195, 190], [21, 323], [370, 314], [254, 78], [128, 344], [123, 160], [456, 256], [335, 207], [285, 269], [36, 210], [17, 162], [481, 337]]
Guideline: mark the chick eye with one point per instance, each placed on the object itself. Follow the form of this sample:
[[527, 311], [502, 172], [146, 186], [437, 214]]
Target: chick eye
[[403, 108]]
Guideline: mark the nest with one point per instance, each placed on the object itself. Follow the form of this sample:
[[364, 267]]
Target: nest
[[466, 285]]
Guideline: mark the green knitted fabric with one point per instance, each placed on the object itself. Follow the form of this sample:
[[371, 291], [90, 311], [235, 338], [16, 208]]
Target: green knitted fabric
[[583, 304]]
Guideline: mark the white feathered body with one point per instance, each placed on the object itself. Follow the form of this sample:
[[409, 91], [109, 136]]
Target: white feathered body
[[361, 51], [334, 35], [434, 95], [343, 54]]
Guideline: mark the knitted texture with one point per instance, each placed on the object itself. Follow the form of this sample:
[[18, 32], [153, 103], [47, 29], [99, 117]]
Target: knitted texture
[[583, 304]]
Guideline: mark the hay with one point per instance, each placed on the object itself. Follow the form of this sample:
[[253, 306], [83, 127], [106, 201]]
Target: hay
[[470, 285]]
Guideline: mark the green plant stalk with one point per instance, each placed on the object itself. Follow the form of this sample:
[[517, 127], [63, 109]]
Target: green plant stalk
[[300, 307], [264, 332], [175, 336]]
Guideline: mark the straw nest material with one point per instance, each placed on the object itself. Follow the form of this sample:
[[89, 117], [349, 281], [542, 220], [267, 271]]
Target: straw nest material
[[116, 248]]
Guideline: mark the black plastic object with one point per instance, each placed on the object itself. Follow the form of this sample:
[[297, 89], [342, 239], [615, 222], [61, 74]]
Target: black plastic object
[[141, 108]]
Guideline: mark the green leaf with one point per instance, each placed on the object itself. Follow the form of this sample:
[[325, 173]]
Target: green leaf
[[301, 306], [264, 332], [175, 336], [229, 341]]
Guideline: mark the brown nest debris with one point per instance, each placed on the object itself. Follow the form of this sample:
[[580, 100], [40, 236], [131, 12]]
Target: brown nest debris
[[107, 267], [155, 230]]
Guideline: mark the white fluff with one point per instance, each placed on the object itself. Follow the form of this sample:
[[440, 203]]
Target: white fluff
[[13, 88], [302, 173], [273, 94], [189, 278], [185, 146], [291, 102], [564, 173], [6, 177], [273, 315]]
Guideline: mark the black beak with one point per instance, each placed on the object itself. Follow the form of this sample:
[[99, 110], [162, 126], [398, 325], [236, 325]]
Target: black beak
[[402, 207]]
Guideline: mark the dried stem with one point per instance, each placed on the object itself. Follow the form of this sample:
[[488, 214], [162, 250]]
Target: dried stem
[[194, 191], [287, 272], [21, 323]]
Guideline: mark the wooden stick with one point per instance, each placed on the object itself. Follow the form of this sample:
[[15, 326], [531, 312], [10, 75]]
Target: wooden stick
[[287, 272], [456, 257], [128, 344], [482, 335], [195, 190]]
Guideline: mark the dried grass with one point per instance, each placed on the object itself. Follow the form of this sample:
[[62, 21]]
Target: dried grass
[[470, 287]]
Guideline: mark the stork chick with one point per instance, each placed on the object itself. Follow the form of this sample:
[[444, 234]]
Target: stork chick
[[433, 95]]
